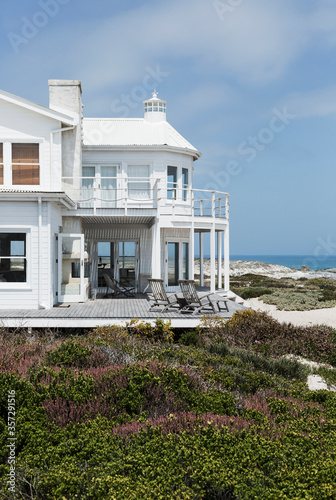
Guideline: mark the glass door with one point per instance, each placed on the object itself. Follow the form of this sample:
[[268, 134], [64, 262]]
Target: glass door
[[128, 263], [173, 264], [105, 261], [71, 267]]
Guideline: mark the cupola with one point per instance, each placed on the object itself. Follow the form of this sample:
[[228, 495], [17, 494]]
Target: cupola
[[155, 109]]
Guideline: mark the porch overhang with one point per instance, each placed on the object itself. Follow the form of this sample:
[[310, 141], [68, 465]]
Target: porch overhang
[[101, 222]]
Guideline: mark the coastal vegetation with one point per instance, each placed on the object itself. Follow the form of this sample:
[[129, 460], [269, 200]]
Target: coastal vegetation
[[287, 293], [141, 412]]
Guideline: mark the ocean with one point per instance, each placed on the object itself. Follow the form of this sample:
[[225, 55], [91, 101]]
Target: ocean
[[292, 261]]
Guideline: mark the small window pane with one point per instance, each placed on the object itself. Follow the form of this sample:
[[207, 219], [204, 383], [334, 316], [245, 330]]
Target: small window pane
[[25, 168], [171, 183], [25, 153]]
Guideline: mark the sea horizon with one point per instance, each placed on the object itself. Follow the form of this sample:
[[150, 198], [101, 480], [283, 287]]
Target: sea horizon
[[315, 263]]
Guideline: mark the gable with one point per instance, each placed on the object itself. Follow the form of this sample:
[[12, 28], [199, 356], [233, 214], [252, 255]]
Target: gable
[[67, 118]]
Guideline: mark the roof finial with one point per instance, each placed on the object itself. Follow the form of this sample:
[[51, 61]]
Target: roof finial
[[155, 94]]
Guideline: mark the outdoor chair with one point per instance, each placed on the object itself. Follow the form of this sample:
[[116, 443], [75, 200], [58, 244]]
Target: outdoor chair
[[195, 303], [117, 288], [161, 299]]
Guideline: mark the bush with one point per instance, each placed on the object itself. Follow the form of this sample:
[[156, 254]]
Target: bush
[[298, 300], [77, 355], [260, 332], [161, 331], [189, 338], [253, 291]]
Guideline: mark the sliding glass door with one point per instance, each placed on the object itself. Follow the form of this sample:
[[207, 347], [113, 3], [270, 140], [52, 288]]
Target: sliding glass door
[[128, 263]]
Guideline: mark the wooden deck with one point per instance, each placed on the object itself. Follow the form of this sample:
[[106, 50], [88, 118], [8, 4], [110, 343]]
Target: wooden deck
[[103, 311]]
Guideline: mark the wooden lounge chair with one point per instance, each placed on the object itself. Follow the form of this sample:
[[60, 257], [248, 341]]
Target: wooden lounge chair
[[161, 299], [117, 288], [195, 303]]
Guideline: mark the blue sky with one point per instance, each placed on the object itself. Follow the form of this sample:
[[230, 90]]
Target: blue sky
[[250, 83]]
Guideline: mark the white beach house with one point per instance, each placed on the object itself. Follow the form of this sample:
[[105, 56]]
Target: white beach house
[[82, 197]]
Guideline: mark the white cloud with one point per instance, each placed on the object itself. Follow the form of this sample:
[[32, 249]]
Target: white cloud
[[320, 102]]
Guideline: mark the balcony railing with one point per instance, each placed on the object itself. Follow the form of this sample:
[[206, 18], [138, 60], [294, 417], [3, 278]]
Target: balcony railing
[[144, 193]]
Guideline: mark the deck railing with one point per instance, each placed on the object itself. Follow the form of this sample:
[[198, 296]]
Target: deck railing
[[144, 193]]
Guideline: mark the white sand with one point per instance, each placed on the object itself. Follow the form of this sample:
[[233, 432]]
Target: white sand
[[299, 318]]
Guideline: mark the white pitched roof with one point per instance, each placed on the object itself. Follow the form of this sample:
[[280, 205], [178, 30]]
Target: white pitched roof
[[63, 117], [133, 132]]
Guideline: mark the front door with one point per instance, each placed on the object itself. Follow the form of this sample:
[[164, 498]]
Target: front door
[[71, 267]]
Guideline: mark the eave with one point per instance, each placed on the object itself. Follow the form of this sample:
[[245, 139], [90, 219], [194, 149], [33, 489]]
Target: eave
[[37, 108], [170, 149]]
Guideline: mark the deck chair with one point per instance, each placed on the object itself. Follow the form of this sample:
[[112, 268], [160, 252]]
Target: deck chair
[[161, 299], [195, 303], [117, 288]]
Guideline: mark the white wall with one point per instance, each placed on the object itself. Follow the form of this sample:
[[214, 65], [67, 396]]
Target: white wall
[[18, 124], [23, 217]]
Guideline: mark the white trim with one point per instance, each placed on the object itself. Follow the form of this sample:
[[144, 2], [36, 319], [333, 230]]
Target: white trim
[[25, 285], [37, 108]]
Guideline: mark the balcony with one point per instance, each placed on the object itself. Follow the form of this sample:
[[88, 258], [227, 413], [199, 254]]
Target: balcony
[[143, 196]]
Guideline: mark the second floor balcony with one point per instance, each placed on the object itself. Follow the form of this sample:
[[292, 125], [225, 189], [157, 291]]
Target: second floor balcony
[[143, 196]]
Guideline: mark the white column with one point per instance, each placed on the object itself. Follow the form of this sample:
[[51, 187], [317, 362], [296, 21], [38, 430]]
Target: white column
[[192, 241], [219, 259], [213, 245], [201, 252], [213, 258], [192, 254], [156, 251], [226, 260]]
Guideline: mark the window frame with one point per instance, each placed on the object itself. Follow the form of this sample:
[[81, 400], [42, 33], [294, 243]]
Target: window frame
[[24, 285], [8, 164], [136, 201]]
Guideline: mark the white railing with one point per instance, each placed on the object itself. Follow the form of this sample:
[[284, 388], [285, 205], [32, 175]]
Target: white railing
[[115, 193]]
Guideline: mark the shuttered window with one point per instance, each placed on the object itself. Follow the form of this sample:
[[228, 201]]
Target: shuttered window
[[25, 164], [1, 163]]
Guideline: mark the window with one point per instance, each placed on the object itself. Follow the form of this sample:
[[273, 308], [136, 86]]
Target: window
[[173, 264], [138, 182], [185, 183], [75, 269], [25, 164], [13, 259], [171, 183], [1, 164]]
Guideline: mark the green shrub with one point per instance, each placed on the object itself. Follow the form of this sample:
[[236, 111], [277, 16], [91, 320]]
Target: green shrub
[[160, 332], [252, 292], [297, 300], [189, 338], [77, 355]]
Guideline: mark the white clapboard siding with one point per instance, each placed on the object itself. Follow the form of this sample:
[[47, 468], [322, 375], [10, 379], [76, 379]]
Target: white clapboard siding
[[18, 124], [24, 216]]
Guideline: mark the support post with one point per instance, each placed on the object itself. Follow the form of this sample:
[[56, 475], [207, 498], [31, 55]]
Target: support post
[[156, 250], [219, 259], [201, 252], [192, 241], [213, 246], [226, 260]]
